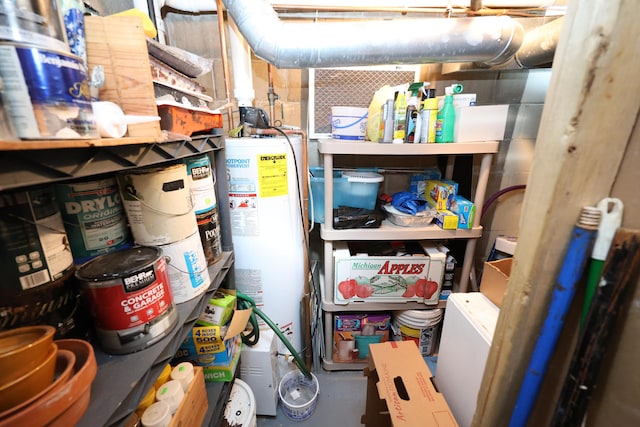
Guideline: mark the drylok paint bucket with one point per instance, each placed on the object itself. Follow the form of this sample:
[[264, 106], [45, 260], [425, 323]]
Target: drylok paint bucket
[[34, 247], [130, 298], [187, 268], [349, 123], [158, 204], [47, 93], [419, 326], [94, 218], [241, 406], [298, 395], [209, 229]]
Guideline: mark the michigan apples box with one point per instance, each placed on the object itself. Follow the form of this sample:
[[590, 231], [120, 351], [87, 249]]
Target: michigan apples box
[[367, 271]]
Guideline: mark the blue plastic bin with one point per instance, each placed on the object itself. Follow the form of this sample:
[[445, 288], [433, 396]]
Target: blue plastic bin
[[358, 189]]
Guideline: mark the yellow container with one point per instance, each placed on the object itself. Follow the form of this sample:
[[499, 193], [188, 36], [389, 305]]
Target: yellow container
[[146, 401], [163, 377]]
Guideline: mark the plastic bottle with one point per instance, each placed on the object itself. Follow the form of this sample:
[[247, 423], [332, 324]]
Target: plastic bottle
[[429, 115], [399, 118], [412, 113], [446, 118], [386, 121]]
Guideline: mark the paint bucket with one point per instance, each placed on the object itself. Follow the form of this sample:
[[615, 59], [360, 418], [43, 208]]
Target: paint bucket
[[187, 268], [130, 298], [93, 217], [349, 123], [32, 21], [34, 247], [47, 93], [241, 406], [419, 326], [298, 395], [158, 204], [209, 229]]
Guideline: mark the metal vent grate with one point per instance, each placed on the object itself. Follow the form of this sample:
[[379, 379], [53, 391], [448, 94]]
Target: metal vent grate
[[330, 87]]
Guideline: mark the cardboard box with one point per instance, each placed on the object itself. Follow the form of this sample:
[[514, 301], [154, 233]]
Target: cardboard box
[[194, 404], [466, 211], [495, 277], [439, 193], [348, 340], [446, 219], [400, 391], [400, 274], [480, 123]]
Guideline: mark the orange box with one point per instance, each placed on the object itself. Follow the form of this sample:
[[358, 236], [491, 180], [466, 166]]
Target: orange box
[[400, 391]]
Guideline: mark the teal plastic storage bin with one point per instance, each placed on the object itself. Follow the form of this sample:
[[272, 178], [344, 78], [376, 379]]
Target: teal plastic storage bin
[[357, 189]]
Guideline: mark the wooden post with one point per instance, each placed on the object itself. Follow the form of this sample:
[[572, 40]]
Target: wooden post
[[590, 111]]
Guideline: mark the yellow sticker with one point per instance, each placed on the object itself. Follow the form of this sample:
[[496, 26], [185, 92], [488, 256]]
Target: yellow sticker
[[272, 175]]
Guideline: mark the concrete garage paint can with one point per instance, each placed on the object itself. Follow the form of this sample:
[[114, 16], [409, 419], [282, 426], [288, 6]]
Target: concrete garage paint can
[[158, 204], [187, 268], [34, 247], [94, 217], [47, 93], [130, 298]]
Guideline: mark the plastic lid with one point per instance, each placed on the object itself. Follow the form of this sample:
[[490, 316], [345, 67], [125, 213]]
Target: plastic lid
[[172, 393], [241, 405], [156, 415], [118, 264], [360, 176], [183, 373]]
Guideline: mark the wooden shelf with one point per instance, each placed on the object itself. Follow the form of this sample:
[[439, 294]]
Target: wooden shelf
[[52, 144]]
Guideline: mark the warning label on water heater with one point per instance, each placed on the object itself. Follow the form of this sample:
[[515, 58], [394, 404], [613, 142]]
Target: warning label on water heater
[[272, 174]]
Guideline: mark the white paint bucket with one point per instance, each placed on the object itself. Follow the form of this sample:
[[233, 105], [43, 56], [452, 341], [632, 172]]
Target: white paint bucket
[[298, 395], [158, 204], [188, 274], [419, 326], [241, 406], [349, 123]]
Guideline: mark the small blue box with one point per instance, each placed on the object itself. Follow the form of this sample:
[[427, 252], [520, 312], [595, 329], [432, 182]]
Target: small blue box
[[357, 189]]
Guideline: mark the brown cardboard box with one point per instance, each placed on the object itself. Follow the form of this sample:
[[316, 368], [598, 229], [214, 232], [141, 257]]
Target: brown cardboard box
[[194, 404], [400, 391], [495, 277]]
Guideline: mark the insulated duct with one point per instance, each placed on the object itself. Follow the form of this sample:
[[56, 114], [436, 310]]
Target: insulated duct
[[490, 40], [539, 45]]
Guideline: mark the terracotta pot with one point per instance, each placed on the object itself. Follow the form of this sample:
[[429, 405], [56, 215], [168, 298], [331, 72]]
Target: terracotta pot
[[69, 402], [65, 361], [23, 349], [31, 383]]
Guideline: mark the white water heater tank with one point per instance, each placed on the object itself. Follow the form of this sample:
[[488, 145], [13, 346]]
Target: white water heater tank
[[264, 178]]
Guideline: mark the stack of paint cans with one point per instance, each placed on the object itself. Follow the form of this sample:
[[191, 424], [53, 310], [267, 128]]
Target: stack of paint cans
[[203, 194], [37, 264], [160, 211], [46, 86]]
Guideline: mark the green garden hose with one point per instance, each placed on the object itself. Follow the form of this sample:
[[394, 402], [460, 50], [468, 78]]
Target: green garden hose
[[245, 302]]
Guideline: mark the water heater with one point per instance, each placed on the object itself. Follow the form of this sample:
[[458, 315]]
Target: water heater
[[264, 176]]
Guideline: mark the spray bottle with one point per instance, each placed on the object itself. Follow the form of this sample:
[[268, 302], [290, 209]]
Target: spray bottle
[[412, 113], [447, 115], [399, 118], [429, 115]]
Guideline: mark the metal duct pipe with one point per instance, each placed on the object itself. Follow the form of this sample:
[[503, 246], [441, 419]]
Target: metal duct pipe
[[491, 40], [539, 45]]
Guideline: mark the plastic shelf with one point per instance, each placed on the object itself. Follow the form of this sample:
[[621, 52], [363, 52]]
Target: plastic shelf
[[122, 380], [390, 231]]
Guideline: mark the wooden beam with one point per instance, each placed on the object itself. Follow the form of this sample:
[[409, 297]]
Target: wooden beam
[[589, 114]]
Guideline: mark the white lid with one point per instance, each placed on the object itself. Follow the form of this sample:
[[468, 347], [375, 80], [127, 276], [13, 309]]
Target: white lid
[[156, 415], [241, 405], [183, 373], [362, 176], [172, 393]]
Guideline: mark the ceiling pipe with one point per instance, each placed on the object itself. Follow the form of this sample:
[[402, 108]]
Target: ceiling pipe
[[539, 45], [490, 40]]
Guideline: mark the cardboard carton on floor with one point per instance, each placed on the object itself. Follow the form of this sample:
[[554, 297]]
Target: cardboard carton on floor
[[400, 391], [495, 277]]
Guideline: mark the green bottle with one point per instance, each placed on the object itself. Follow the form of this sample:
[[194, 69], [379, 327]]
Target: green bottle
[[446, 118]]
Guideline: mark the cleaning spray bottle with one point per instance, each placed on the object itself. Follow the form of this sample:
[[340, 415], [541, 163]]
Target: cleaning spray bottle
[[413, 114], [447, 115], [429, 115], [400, 117]]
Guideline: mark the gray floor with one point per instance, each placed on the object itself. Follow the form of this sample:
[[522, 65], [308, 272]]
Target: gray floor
[[341, 402]]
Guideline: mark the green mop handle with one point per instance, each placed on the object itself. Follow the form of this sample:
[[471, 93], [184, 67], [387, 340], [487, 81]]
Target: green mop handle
[[610, 221]]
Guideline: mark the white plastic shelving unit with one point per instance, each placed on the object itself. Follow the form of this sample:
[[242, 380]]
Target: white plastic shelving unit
[[388, 231]]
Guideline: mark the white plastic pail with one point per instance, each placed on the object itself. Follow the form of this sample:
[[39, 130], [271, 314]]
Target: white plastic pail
[[349, 123], [298, 395], [419, 326]]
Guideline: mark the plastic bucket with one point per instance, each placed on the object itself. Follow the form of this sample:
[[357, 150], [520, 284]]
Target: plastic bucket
[[362, 344], [419, 326], [298, 395], [349, 123]]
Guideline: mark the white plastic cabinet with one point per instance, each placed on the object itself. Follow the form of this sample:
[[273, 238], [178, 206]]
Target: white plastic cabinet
[[329, 148]]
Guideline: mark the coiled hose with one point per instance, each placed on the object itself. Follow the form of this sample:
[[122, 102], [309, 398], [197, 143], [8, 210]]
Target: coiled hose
[[245, 302]]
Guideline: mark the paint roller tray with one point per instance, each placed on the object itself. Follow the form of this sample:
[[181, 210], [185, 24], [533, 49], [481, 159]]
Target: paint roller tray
[[420, 219]]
